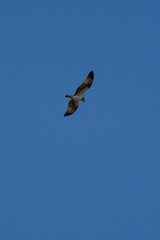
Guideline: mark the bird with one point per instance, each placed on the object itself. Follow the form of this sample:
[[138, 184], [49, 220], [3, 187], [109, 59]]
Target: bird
[[78, 96]]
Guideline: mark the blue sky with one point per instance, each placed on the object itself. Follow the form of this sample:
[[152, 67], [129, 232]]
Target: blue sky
[[96, 174]]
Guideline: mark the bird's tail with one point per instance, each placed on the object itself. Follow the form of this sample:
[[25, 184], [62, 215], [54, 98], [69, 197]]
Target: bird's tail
[[68, 96]]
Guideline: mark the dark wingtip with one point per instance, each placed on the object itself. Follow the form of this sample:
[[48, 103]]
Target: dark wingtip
[[67, 114], [91, 75]]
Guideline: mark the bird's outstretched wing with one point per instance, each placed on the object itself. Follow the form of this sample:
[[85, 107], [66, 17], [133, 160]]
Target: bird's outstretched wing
[[72, 107], [85, 85]]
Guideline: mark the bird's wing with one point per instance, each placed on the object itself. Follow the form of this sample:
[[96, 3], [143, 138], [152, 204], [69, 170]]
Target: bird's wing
[[85, 85], [72, 107]]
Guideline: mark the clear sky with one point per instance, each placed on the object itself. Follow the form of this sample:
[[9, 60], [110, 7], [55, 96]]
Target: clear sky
[[96, 174]]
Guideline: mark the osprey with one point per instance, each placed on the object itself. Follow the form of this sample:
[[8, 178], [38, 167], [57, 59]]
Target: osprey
[[78, 96]]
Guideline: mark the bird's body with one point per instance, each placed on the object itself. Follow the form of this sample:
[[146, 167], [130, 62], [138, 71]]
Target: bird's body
[[78, 96]]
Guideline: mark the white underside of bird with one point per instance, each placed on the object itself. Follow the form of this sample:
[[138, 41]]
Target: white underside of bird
[[77, 98]]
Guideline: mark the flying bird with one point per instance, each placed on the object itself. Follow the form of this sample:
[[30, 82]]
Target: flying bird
[[78, 96]]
